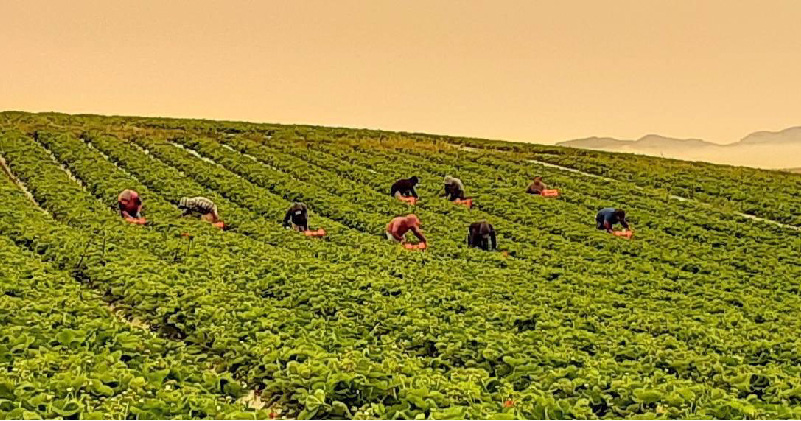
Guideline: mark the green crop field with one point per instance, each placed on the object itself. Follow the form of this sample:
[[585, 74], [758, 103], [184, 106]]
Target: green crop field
[[696, 317]]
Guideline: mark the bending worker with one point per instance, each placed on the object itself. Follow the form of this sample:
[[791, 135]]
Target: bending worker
[[608, 217], [297, 217], [397, 228], [404, 188], [536, 186], [130, 204], [480, 235], [454, 189], [200, 206]]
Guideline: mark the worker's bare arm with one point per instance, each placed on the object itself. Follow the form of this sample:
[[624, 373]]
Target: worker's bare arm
[[419, 234]]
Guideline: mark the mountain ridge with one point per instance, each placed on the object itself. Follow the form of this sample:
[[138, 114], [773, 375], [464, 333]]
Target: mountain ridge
[[789, 135], [766, 149]]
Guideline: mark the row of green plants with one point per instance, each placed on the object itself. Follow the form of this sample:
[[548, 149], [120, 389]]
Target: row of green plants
[[776, 279], [559, 218], [366, 392], [67, 353], [283, 160], [664, 222], [129, 154], [566, 332], [768, 194], [763, 193], [182, 304]]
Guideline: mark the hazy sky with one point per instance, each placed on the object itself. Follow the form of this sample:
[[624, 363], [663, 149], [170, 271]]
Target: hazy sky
[[540, 71]]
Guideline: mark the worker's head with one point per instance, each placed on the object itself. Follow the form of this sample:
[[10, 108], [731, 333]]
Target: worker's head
[[414, 179], [620, 213], [211, 217], [484, 229], [412, 219], [135, 199], [182, 203], [448, 179], [537, 178]]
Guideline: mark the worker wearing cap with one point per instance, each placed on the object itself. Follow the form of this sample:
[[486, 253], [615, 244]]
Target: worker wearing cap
[[454, 189]]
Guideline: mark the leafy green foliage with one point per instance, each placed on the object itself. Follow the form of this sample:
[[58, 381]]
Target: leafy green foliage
[[695, 318]]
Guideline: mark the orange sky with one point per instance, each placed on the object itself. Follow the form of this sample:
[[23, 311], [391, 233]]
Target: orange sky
[[540, 71]]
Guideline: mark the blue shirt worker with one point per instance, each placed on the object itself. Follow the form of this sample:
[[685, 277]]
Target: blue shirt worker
[[608, 217]]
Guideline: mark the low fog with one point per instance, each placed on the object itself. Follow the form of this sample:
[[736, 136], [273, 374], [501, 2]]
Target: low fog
[[760, 156]]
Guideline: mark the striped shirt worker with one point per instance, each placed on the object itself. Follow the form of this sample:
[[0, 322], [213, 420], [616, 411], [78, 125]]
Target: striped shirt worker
[[199, 205]]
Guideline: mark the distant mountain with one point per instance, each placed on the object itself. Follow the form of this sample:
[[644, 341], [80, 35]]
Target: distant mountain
[[650, 142], [763, 149], [653, 141], [786, 136], [596, 143]]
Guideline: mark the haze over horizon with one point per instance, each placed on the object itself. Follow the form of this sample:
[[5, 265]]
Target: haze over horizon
[[513, 70]]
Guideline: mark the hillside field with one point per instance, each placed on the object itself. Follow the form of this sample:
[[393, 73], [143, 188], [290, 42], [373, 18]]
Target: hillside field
[[696, 317]]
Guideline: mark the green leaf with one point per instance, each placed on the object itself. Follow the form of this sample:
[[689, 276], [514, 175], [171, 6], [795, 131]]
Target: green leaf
[[647, 395], [137, 382], [68, 336], [30, 415], [98, 388], [7, 390], [67, 408]]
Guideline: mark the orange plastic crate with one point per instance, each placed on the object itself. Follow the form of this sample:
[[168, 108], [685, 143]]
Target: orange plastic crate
[[319, 233], [624, 234], [550, 193]]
